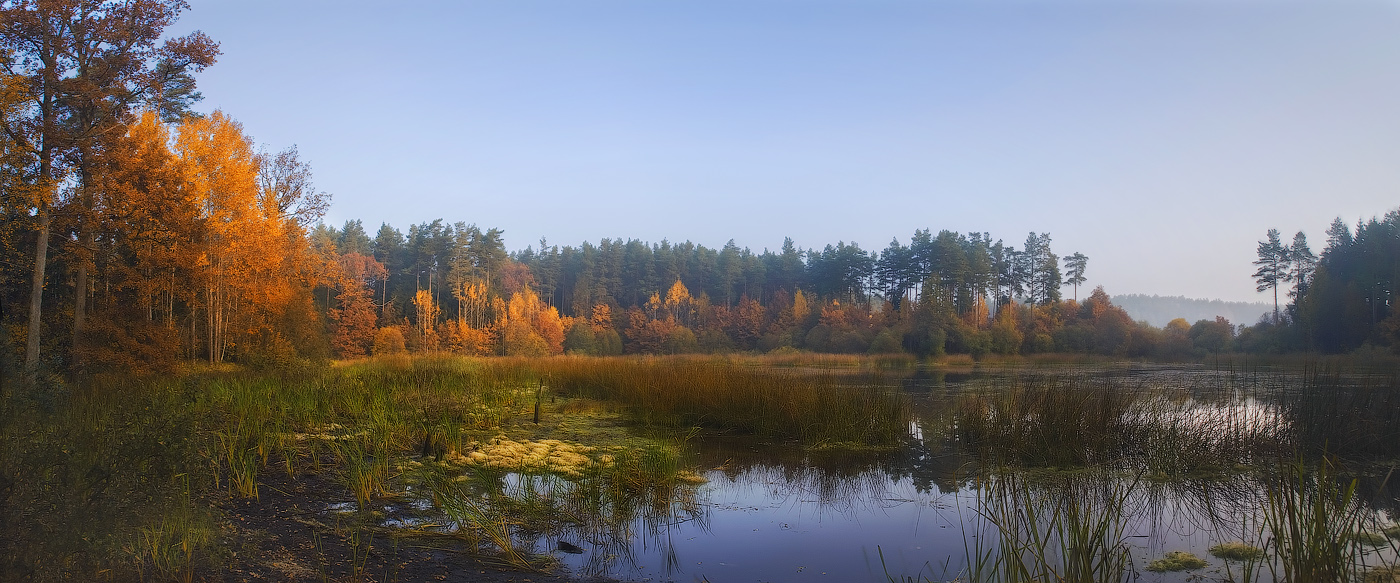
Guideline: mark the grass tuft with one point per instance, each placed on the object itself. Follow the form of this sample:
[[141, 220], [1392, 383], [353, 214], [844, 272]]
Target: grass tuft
[[1237, 551], [1176, 561]]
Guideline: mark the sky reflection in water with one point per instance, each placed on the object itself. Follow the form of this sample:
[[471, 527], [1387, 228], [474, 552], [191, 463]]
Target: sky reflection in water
[[775, 513]]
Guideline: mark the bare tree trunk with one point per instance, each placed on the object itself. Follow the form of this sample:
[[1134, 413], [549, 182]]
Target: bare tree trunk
[[80, 296], [36, 295], [86, 243]]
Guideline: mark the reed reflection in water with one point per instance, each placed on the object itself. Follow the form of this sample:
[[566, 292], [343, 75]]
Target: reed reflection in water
[[1077, 475]]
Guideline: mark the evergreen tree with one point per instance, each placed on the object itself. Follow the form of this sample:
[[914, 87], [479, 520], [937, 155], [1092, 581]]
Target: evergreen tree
[[1302, 264], [1076, 264], [1273, 266]]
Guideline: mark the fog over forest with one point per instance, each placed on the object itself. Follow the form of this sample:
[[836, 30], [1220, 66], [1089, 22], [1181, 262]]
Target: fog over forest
[[1159, 310]]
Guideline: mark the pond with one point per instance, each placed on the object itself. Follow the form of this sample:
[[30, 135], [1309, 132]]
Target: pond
[[1007, 470], [774, 513]]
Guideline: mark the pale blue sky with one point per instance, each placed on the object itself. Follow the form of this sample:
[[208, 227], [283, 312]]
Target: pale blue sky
[[1160, 138]]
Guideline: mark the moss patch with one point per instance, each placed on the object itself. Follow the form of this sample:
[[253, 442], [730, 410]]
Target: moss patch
[[1176, 561], [1236, 551]]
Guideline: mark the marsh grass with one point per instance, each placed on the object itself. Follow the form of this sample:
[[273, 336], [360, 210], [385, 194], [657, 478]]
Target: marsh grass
[[1352, 412], [1312, 516], [1075, 420], [1064, 529], [1236, 551], [99, 478], [170, 546], [119, 475], [814, 409]]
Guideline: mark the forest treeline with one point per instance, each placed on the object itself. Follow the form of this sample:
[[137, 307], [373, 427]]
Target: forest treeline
[[138, 233], [1339, 300]]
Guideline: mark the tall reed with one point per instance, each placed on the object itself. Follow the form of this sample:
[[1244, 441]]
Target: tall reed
[[1070, 530], [1313, 517], [1077, 420], [1344, 411]]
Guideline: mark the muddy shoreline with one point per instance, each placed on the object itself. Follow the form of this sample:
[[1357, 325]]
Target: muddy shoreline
[[289, 534]]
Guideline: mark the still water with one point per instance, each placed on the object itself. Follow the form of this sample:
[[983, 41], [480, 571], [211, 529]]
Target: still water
[[782, 514], [775, 512]]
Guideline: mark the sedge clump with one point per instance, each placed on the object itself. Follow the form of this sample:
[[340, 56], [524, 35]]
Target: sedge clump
[[1176, 561], [1236, 551]]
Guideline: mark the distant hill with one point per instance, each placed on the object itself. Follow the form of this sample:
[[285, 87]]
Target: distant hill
[[1158, 310]]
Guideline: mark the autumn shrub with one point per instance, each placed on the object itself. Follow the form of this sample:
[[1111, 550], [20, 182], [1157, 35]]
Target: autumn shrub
[[136, 348], [609, 342], [1006, 338], [389, 340], [521, 340]]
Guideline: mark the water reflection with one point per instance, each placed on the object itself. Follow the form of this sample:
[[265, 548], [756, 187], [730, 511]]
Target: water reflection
[[1185, 459]]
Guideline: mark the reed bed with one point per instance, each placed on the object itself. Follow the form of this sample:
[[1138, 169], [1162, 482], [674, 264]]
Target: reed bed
[[120, 476], [1065, 529], [1073, 420], [813, 409], [1314, 517], [1344, 411]]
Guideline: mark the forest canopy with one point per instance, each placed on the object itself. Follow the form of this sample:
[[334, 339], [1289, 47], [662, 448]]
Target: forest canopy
[[138, 233]]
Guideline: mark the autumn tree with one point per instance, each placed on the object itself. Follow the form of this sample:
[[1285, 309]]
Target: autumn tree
[[355, 318], [531, 327], [85, 64], [426, 313], [149, 251]]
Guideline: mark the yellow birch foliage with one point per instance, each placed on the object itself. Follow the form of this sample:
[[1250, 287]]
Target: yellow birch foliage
[[532, 328], [242, 281], [427, 312]]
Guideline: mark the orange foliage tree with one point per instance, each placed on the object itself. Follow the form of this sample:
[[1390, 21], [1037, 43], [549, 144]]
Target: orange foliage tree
[[355, 318]]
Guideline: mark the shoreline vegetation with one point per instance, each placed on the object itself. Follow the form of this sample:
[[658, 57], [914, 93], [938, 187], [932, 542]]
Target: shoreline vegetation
[[128, 476], [123, 477]]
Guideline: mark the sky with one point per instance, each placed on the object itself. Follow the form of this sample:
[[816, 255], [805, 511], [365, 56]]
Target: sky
[[1161, 138]]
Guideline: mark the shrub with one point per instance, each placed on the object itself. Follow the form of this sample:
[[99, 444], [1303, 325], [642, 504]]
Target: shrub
[[389, 340]]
